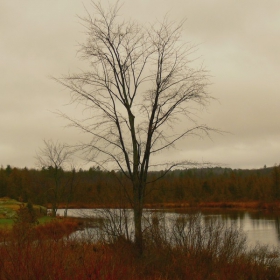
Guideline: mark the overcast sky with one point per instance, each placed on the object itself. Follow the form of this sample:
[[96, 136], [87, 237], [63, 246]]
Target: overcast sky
[[239, 43]]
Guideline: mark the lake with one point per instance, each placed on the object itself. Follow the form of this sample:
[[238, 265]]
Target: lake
[[260, 227]]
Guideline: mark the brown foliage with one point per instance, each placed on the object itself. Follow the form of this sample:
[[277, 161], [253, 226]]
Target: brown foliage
[[57, 229]]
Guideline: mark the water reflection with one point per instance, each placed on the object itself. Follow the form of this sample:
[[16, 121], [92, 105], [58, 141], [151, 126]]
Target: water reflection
[[260, 227]]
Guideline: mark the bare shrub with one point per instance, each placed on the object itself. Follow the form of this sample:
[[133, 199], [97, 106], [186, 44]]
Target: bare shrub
[[196, 235], [113, 224]]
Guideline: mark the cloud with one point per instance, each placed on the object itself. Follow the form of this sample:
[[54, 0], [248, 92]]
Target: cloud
[[240, 45]]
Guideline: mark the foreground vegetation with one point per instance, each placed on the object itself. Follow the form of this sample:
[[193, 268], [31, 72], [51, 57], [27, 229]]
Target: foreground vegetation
[[190, 250]]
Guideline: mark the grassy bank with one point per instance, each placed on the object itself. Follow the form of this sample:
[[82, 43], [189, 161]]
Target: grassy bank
[[10, 209], [9, 212]]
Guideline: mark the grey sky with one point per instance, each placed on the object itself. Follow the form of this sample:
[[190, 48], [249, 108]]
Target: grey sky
[[239, 44]]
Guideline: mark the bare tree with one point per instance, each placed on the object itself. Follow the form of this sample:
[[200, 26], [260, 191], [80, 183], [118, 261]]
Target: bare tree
[[139, 87], [54, 157]]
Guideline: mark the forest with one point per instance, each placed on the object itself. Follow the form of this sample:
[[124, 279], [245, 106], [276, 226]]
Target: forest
[[179, 188]]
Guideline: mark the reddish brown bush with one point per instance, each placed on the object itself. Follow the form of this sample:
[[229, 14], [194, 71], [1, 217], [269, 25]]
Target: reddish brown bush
[[57, 229], [44, 254]]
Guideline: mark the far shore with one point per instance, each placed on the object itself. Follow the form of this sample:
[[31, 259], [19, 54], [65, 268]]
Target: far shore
[[250, 205]]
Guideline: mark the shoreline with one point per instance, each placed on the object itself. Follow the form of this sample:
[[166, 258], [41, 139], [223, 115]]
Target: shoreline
[[233, 205]]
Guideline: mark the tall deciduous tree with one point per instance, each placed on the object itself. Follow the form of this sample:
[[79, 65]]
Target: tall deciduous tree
[[140, 85]]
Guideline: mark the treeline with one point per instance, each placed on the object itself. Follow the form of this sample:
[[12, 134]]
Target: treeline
[[99, 188]]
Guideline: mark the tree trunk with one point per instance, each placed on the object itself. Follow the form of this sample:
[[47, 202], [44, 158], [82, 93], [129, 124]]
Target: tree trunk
[[138, 228], [54, 209], [138, 211]]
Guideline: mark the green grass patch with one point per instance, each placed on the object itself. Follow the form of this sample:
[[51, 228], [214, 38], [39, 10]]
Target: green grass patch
[[6, 223], [45, 219]]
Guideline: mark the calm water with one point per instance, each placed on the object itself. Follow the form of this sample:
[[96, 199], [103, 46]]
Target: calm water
[[260, 227]]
